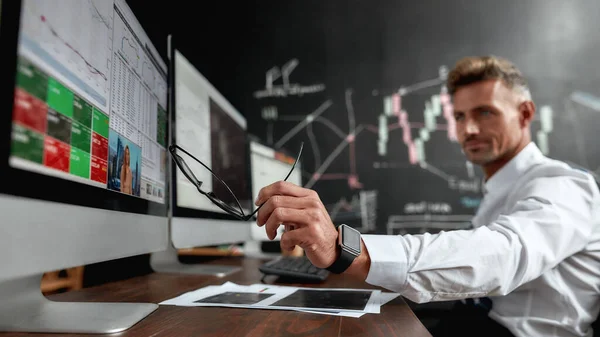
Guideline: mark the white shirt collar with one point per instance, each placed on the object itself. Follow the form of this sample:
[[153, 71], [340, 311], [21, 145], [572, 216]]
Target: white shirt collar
[[518, 165]]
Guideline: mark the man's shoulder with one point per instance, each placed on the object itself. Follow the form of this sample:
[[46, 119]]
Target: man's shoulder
[[551, 176], [549, 167]]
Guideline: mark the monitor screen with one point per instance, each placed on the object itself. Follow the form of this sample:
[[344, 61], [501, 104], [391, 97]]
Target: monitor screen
[[213, 131], [267, 166], [90, 100]]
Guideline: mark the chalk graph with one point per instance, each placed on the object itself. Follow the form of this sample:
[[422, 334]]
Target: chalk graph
[[286, 88], [437, 105], [359, 212], [392, 108]]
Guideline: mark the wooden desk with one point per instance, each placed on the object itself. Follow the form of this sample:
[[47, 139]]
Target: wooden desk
[[395, 319]]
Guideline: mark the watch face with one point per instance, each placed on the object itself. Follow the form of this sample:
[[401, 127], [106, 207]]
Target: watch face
[[351, 238]]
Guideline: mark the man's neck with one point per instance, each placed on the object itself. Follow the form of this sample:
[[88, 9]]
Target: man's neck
[[491, 168]]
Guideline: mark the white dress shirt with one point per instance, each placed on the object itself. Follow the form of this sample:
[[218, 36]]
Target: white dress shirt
[[534, 250]]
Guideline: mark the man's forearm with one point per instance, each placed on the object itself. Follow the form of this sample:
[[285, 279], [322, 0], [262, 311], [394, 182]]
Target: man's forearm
[[360, 266]]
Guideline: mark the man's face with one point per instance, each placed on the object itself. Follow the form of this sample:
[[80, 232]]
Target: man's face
[[489, 121]]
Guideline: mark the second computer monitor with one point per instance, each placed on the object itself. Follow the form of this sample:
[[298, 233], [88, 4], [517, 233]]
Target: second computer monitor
[[207, 126], [267, 166]]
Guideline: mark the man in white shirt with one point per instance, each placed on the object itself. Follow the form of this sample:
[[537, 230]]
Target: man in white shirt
[[533, 256]]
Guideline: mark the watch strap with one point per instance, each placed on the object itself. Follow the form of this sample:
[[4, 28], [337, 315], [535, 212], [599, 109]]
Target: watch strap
[[342, 263]]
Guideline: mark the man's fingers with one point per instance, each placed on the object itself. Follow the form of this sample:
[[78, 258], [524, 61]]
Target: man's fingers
[[284, 215], [291, 239], [281, 201], [282, 188]]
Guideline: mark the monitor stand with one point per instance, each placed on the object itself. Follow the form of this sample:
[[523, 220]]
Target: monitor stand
[[253, 249], [167, 261], [24, 308]]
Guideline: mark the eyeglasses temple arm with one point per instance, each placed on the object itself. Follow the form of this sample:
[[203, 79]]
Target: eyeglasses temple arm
[[297, 158]]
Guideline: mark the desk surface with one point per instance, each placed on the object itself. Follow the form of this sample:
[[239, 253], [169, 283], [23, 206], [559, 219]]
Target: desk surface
[[395, 319]]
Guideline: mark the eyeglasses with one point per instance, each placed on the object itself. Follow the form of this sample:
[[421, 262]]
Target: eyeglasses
[[238, 213]]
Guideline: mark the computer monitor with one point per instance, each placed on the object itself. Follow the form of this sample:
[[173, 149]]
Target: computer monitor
[[83, 155], [268, 165], [207, 126]]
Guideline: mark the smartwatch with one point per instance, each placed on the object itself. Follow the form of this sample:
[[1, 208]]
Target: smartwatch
[[349, 246]]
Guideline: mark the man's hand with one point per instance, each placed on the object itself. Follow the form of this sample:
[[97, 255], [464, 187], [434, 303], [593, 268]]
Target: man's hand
[[302, 210]]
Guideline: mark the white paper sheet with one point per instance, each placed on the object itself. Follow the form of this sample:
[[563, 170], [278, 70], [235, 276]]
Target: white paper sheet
[[383, 299], [264, 296]]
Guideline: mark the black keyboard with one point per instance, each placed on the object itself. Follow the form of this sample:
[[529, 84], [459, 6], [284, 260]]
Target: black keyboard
[[294, 268]]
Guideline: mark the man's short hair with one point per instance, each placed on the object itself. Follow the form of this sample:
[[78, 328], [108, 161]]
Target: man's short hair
[[474, 69]]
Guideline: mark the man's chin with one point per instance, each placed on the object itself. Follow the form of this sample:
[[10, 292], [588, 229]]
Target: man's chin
[[479, 158]]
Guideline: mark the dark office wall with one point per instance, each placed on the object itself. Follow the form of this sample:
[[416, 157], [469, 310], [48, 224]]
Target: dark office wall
[[352, 54]]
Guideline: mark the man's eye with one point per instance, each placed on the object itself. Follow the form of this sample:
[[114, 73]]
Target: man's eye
[[458, 117], [485, 112]]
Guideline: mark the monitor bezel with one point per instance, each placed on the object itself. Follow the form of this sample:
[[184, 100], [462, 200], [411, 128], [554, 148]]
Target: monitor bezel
[[176, 210], [50, 188]]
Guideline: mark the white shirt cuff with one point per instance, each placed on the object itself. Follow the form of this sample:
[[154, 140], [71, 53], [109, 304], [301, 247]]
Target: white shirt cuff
[[388, 261]]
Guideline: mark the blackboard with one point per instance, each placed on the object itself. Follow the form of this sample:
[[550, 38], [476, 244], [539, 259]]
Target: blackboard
[[323, 73]]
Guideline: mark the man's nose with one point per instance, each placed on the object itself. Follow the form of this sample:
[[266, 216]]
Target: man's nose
[[471, 127]]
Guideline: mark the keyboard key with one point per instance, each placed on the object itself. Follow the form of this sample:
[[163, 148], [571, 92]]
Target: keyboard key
[[291, 267]]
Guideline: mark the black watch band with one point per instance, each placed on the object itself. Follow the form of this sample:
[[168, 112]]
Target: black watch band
[[343, 262]]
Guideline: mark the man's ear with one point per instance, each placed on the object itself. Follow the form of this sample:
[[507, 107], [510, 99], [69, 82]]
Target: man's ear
[[526, 113]]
